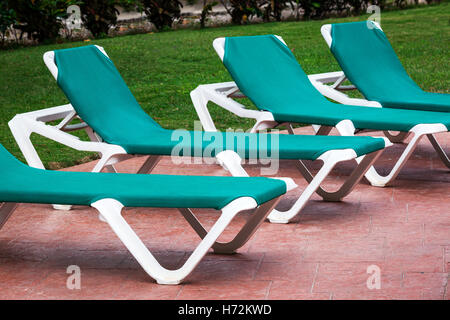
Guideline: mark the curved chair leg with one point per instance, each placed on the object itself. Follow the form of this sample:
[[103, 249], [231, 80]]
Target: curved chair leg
[[110, 211], [319, 130], [330, 159], [101, 164], [241, 237], [323, 131], [350, 183], [290, 128], [441, 153], [346, 128], [149, 164], [277, 216], [396, 138], [378, 180], [356, 176], [6, 209]]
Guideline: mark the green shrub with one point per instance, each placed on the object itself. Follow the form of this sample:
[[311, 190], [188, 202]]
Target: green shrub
[[400, 3], [7, 18], [242, 10], [321, 9], [99, 16], [207, 9], [162, 13], [274, 8], [40, 19], [358, 6]]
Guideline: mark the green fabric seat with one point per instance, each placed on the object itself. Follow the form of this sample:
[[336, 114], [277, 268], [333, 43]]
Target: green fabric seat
[[98, 93], [370, 63], [266, 71], [252, 145], [21, 183]]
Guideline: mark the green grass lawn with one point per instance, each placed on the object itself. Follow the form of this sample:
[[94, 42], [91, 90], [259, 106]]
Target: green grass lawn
[[162, 68]]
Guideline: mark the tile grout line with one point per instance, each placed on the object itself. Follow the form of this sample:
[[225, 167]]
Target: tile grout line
[[179, 292], [443, 259], [385, 248], [445, 288], [258, 266], [315, 277], [407, 212], [266, 296], [423, 234]]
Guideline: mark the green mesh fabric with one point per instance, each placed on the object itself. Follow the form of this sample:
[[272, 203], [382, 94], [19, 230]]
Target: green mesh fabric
[[98, 93], [267, 72], [21, 183], [370, 63]]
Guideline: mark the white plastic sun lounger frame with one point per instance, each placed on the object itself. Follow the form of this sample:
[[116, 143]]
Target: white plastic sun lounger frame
[[223, 94], [25, 124], [335, 91], [110, 211]]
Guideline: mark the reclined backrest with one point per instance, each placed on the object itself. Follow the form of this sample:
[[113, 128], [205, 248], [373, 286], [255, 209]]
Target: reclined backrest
[[98, 93], [369, 61], [267, 72]]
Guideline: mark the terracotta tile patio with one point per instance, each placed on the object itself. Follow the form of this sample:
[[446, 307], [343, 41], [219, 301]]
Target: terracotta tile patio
[[323, 254]]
